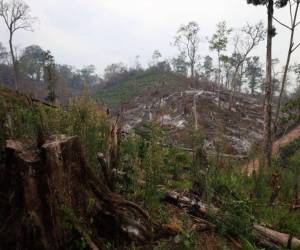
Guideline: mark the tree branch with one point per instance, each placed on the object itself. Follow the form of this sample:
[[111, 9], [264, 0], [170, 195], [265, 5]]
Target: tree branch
[[284, 25], [296, 47]]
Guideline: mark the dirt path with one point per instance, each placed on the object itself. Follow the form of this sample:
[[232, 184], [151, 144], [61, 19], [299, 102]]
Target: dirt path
[[253, 165]]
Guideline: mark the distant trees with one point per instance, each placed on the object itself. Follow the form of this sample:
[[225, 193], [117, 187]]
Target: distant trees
[[16, 16], [88, 74], [187, 41], [158, 64], [115, 72]]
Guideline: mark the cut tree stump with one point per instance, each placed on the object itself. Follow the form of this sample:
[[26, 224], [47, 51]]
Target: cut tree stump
[[51, 199]]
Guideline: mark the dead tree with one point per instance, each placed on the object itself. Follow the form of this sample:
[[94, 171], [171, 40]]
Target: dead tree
[[51, 199], [16, 16]]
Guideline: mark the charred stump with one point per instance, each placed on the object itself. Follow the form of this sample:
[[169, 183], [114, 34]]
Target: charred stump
[[51, 199]]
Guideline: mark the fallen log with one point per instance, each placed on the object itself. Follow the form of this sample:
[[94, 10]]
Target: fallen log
[[265, 236], [285, 240], [51, 199]]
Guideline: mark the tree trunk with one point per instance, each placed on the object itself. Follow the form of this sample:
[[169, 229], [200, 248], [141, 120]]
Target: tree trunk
[[13, 58], [192, 70], [233, 85], [219, 79], [286, 68], [267, 144], [195, 111], [51, 199]]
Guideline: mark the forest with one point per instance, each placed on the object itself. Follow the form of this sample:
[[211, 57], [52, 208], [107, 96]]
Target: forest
[[175, 152]]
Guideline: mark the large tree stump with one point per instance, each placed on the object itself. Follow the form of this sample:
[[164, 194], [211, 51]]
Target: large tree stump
[[51, 199]]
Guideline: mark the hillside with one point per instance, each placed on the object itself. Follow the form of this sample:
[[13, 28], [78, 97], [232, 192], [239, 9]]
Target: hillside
[[168, 100]]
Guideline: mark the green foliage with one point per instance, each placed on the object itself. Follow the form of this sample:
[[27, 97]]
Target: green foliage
[[291, 111], [236, 218], [152, 163], [82, 117], [78, 240], [176, 162], [184, 240], [89, 122], [31, 61], [124, 90], [219, 39], [253, 72], [130, 163]]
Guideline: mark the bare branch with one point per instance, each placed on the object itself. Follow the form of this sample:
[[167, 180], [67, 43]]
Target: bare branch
[[296, 47], [291, 13], [284, 25]]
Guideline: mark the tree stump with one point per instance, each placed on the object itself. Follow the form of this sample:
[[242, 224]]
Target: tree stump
[[51, 199]]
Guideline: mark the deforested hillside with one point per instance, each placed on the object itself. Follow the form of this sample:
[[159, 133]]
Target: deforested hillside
[[179, 104]]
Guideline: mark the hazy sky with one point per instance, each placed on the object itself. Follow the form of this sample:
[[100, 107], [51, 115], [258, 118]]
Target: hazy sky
[[100, 32]]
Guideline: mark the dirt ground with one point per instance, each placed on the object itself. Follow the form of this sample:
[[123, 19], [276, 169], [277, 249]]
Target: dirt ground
[[253, 165]]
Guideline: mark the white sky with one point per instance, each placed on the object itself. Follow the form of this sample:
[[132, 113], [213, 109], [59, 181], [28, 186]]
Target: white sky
[[100, 32]]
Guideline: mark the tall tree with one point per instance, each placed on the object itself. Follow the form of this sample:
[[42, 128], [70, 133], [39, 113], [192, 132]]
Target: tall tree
[[50, 76], [16, 16], [31, 61], [253, 73], [187, 40], [219, 43], [293, 10], [267, 151]]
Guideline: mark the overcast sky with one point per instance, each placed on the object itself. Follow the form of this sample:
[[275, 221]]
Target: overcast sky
[[100, 32]]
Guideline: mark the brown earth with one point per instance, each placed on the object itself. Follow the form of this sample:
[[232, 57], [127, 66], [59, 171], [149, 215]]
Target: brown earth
[[253, 165]]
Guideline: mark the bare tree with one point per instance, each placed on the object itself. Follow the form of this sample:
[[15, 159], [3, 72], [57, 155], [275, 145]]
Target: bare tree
[[187, 40], [293, 12], [16, 16], [245, 42]]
